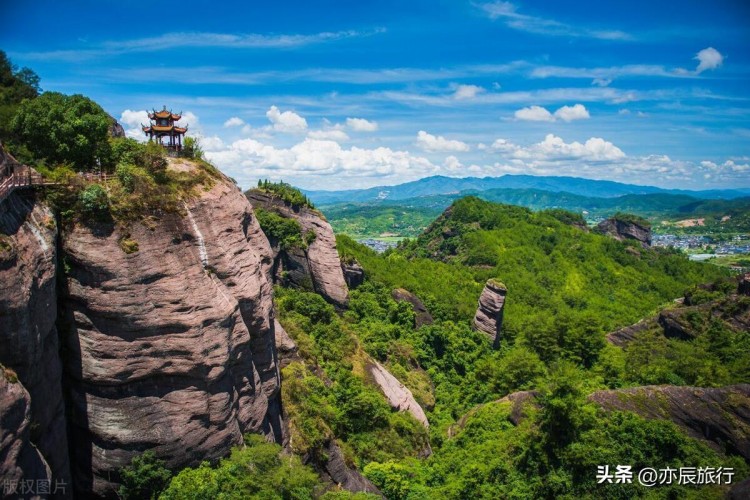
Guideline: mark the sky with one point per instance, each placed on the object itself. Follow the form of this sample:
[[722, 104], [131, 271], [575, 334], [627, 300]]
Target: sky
[[341, 95]]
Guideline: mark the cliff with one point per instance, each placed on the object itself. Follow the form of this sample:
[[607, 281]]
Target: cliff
[[171, 347], [314, 263], [28, 309]]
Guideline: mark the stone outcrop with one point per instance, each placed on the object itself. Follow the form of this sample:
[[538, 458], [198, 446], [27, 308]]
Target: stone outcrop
[[354, 275], [344, 476], [719, 416], [115, 129], [285, 346], [28, 309], [398, 395], [316, 267], [624, 336], [489, 316], [20, 460], [421, 315], [625, 229], [170, 348], [743, 288]]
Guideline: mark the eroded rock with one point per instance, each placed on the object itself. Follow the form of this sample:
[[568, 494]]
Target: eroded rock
[[19, 459], [354, 275], [626, 229], [489, 316], [344, 476], [421, 315], [398, 395]]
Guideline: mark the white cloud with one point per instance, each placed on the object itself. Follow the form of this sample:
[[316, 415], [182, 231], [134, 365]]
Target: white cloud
[[211, 143], [361, 125], [330, 134], [570, 113], [534, 114], [199, 39], [708, 58], [508, 13], [288, 121], [564, 113], [234, 122], [555, 148], [131, 122], [453, 164], [601, 82], [314, 160], [467, 92], [439, 144]]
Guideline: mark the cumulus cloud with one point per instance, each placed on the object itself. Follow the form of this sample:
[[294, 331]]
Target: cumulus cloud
[[464, 92], [361, 125], [331, 134], [234, 122], [439, 144], [534, 114], [131, 122], [555, 148], [540, 114], [708, 58], [570, 113], [287, 122], [248, 159]]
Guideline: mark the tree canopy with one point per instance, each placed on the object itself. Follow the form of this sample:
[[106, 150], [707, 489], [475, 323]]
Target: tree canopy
[[60, 129]]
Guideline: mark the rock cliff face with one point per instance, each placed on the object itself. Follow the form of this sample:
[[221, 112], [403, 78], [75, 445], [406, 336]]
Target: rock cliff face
[[623, 229], [19, 459], [28, 309], [421, 315], [170, 348], [318, 266], [489, 316]]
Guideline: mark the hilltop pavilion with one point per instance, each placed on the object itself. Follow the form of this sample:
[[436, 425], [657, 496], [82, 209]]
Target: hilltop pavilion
[[163, 125]]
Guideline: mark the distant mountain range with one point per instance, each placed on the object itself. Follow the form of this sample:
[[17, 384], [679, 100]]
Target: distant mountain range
[[440, 185]]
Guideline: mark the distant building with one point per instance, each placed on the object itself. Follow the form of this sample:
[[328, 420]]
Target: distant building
[[163, 125]]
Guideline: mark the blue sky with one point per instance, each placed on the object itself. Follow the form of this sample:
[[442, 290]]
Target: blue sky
[[334, 95]]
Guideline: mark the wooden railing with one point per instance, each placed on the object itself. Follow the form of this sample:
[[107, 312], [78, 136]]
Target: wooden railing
[[14, 175]]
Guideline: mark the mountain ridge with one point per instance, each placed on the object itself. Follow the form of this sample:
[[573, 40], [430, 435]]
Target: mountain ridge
[[439, 184]]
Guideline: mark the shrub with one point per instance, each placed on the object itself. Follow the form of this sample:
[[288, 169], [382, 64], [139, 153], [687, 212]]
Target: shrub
[[94, 201]]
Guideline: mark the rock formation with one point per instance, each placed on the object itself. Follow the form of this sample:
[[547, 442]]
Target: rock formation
[[626, 228], [317, 266], [344, 476], [744, 285], [489, 316], [285, 346], [354, 275], [399, 396], [718, 416], [28, 310], [19, 459], [625, 335], [169, 348], [421, 315]]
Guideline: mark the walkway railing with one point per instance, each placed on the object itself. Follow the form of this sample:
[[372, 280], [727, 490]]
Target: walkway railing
[[14, 175]]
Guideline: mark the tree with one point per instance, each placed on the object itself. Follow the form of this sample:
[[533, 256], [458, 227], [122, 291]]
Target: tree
[[192, 149], [145, 477], [60, 129]]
